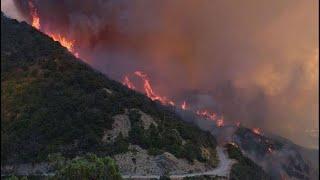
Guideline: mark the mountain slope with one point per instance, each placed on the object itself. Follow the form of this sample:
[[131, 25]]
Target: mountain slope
[[52, 102], [278, 156]]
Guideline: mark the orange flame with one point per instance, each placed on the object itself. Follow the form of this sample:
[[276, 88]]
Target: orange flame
[[206, 114], [184, 105], [149, 91], [63, 41], [220, 122], [69, 44], [256, 131], [166, 101], [34, 15], [126, 81]]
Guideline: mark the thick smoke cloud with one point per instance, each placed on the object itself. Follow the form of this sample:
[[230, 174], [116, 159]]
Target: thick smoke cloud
[[254, 61]]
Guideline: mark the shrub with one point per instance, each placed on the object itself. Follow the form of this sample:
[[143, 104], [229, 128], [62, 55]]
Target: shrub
[[244, 168], [87, 167]]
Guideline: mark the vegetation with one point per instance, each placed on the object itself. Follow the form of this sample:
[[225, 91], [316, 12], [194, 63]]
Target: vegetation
[[164, 177], [244, 168], [168, 136], [52, 102], [204, 177], [16, 178], [87, 167], [258, 144], [26, 178]]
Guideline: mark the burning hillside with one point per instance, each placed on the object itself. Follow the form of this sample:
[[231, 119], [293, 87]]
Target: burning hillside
[[222, 70], [147, 87], [36, 23], [251, 69]]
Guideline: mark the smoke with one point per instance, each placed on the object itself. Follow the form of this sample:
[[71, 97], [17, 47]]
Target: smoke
[[256, 61]]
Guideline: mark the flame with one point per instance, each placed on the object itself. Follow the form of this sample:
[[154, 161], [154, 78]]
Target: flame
[[150, 92], [126, 82], [206, 114], [63, 41], [34, 15], [184, 105], [256, 131], [35, 22], [69, 44], [220, 122], [166, 101]]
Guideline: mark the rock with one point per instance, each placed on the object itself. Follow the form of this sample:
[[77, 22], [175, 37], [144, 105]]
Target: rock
[[108, 91], [147, 120], [121, 124]]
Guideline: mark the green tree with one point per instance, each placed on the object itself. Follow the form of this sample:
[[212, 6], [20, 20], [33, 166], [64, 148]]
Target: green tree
[[89, 167]]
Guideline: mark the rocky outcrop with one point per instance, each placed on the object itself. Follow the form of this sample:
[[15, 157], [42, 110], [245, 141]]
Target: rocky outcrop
[[42, 169], [121, 125], [138, 162], [147, 120]]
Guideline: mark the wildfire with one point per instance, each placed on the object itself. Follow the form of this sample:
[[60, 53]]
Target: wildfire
[[34, 15], [256, 131], [166, 101], [220, 122], [35, 22], [184, 105], [63, 41], [128, 83], [206, 114], [150, 93]]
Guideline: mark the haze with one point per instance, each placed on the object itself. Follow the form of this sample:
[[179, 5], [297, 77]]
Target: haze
[[253, 61]]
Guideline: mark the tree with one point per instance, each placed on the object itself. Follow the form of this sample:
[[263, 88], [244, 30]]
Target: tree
[[89, 167]]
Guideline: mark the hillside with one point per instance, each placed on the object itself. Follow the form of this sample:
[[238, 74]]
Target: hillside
[[278, 156], [52, 102]]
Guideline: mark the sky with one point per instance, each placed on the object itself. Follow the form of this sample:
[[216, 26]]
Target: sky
[[253, 61]]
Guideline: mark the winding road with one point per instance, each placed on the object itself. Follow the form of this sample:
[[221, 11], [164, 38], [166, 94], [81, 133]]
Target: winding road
[[222, 170]]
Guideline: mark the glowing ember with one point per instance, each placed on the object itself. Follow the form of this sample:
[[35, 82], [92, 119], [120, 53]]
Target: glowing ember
[[184, 105], [206, 114], [256, 131], [220, 122], [128, 83], [238, 124], [149, 91], [69, 44]]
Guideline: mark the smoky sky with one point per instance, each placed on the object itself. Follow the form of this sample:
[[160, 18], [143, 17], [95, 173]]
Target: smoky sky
[[253, 61]]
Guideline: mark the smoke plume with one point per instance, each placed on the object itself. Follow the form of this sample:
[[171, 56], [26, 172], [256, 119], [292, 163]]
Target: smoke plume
[[253, 61]]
